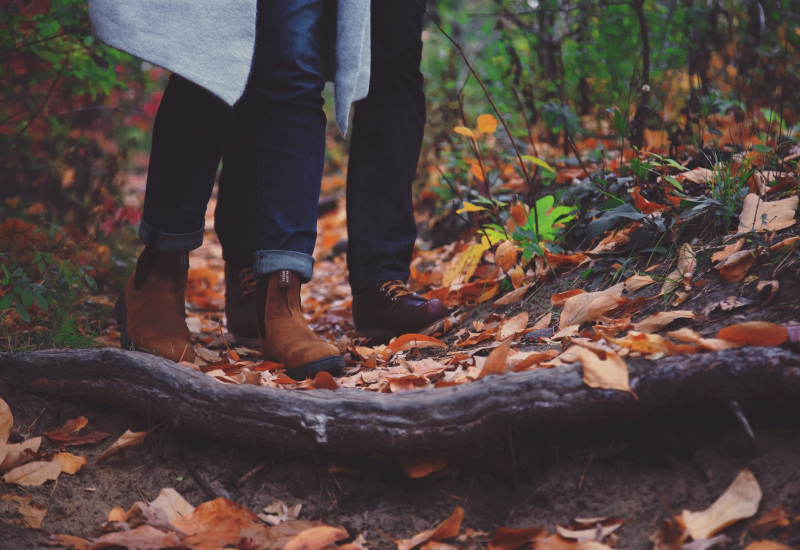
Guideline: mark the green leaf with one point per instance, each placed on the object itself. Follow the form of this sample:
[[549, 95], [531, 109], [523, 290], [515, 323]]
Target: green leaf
[[539, 162], [23, 313], [674, 182], [6, 301], [610, 218], [27, 297], [764, 149]]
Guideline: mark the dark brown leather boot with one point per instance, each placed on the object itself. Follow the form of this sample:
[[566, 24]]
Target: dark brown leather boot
[[283, 332], [151, 310], [241, 310], [390, 309]]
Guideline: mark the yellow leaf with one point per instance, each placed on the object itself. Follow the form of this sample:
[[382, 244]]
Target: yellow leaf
[[487, 124], [464, 131], [469, 207], [71, 464], [739, 501], [539, 162], [463, 267]]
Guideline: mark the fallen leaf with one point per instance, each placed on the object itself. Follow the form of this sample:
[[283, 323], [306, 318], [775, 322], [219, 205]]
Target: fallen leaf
[[449, 528], [506, 255], [589, 306], [777, 517], [144, 537], [589, 534], [496, 362], [68, 541], [31, 513], [773, 286], [758, 215], [735, 267], [697, 175], [739, 501], [610, 373], [755, 333], [561, 298], [34, 474], [635, 282], [219, 523], [513, 326], [682, 276], [68, 434], [324, 381], [656, 322], [408, 342], [126, 441], [511, 539], [463, 266], [709, 344], [419, 467], [728, 250], [530, 359], [317, 538], [71, 464], [705, 544], [768, 545], [17, 454], [648, 343], [6, 421], [172, 504], [513, 297]]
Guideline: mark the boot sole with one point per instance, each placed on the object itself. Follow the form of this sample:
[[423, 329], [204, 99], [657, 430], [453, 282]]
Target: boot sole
[[333, 364]]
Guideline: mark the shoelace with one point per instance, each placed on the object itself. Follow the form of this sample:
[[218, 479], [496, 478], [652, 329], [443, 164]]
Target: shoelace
[[248, 281], [395, 289]]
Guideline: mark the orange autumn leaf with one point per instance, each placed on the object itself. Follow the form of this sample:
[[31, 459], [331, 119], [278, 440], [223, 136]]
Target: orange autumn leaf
[[144, 536], [68, 434], [408, 342], [777, 517], [513, 326], [496, 362], [734, 267], [324, 381], [755, 333], [462, 267], [512, 297], [644, 205], [768, 545], [220, 523], [511, 539], [448, 529], [487, 124], [656, 322], [561, 297], [419, 467], [464, 131], [610, 373], [6, 421], [506, 255], [71, 464], [317, 538], [728, 250]]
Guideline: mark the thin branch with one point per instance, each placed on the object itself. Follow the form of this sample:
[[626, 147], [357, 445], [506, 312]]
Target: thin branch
[[494, 107]]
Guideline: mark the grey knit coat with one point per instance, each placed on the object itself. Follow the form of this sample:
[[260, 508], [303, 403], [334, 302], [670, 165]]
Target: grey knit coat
[[211, 43]]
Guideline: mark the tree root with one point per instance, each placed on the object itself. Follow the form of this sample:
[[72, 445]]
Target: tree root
[[355, 421]]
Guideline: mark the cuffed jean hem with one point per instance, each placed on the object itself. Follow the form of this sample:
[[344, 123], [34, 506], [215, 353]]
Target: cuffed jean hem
[[270, 261], [171, 242]]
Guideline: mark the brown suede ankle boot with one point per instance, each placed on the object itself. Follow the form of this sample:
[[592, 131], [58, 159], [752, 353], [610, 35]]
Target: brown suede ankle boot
[[283, 332], [151, 309]]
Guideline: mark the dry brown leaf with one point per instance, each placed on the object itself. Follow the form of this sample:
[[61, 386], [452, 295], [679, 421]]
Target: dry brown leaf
[[560, 298], [777, 517], [126, 441], [511, 539], [69, 541], [324, 381], [610, 373], [735, 267], [513, 297], [68, 434], [31, 513], [144, 537], [513, 326], [590, 533], [656, 322], [649, 344], [768, 545], [709, 344], [532, 358], [590, 306], [697, 175], [419, 467], [758, 215], [496, 363], [635, 282], [773, 286], [408, 342], [727, 251], [682, 276], [755, 333], [218, 523], [449, 528], [17, 454], [172, 504], [317, 538], [739, 501], [71, 464], [506, 255], [34, 474], [6, 421]]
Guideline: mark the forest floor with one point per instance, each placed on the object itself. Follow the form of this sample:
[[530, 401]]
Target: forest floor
[[639, 474]]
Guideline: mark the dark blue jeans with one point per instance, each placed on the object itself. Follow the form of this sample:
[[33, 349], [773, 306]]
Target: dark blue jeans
[[384, 151], [287, 140]]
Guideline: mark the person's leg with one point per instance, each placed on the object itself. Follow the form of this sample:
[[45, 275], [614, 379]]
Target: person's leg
[[188, 135], [234, 223], [286, 87], [387, 136]]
